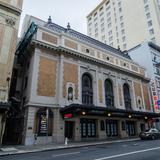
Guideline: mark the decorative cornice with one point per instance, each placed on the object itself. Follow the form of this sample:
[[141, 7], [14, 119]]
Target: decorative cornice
[[59, 48], [10, 7], [86, 39]]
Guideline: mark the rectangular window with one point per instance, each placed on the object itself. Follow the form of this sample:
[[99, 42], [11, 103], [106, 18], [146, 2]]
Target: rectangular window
[[117, 34], [95, 18], [109, 19], [153, 39], [95, 25], [108, 7], [101, 14], [103, 37], [102, 30], [122, 31], [146, 8], [151, 31], [108, 14], [121, 18], [96, 30], [123, 38], [149, 23], [122, 25], [117, 40], [109, 25], [119, 4], [110, 33], [148, 15], [101, 8], [111, 44], [102, 19], [95, 14], [124, 46], [89, 18], [90, 24], [120, 9], [110, 38], [145, 1], [102, 25]]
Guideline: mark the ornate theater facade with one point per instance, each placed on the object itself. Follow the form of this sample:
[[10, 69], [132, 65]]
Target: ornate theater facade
[[77, 87]]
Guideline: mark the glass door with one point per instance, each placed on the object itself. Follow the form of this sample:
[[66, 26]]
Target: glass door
[[111, 128], [88, 128], [130, 128]]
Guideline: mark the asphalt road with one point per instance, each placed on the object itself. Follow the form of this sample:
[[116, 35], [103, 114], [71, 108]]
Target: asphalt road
[[137, 150]]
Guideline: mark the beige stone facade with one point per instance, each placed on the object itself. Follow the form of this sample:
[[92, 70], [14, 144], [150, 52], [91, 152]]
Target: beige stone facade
[[47, 77], [10, 11]]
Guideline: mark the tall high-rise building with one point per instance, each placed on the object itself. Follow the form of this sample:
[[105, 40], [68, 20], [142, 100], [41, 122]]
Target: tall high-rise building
[[125, 23], [10, 11]]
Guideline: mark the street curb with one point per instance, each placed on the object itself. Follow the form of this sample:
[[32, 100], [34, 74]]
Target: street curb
[[65, 147]]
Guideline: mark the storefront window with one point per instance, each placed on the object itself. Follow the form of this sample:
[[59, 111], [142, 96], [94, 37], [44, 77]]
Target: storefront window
[[44, 120]]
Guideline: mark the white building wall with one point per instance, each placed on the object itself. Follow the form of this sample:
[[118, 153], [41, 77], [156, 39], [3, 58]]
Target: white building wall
[[142, 55], [125, 22]]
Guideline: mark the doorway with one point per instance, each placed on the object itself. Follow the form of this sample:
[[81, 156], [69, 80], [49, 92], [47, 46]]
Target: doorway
[[69, 126], [130, 128]]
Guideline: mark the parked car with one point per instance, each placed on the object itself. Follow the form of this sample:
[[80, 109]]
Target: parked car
[[151, 133]]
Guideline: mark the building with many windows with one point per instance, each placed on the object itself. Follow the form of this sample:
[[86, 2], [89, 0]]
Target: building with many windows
[[77, 87], [148, 55], [125, 23], [10, 11]]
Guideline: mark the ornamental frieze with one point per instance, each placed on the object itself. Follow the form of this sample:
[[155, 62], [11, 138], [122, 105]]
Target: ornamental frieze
[[10, 21]]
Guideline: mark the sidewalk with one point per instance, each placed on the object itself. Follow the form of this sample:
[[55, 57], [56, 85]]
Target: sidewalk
[[20, 149]]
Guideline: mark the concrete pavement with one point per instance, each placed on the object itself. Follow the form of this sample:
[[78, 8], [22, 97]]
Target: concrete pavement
[[20, 149]]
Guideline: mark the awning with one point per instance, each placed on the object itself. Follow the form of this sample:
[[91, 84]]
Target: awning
[[79, 109]]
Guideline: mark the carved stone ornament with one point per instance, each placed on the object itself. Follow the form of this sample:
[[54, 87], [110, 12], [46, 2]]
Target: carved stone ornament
[[10, 21]]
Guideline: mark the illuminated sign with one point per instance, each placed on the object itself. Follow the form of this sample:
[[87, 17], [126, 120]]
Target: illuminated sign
[[69, 115]]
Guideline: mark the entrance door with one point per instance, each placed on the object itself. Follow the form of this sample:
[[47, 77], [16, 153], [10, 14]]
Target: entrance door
[[13, 131], [142, 126], [130, 128], [111, 128], [88, 128], [69, 129]]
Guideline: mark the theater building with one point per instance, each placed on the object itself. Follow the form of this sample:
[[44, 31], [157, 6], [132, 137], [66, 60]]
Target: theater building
[[77, 87]]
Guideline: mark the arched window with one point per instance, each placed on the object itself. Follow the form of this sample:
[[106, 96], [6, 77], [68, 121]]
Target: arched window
[[127, 98], [44, 122], [109, 95], [87, 89]]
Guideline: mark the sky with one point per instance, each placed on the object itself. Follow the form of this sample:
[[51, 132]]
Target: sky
[[61, 11]]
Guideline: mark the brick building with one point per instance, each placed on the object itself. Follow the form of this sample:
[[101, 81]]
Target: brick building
[[77, 87]]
